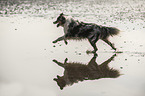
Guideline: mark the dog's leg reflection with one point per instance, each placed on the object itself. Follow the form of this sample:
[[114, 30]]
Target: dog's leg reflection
[[75, 72], [59, 63]]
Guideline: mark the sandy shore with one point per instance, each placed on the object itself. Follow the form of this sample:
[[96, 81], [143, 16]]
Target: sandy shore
[[27, 52]]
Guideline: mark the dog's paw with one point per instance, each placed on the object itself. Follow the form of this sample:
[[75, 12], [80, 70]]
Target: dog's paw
[[66, 42], [54, 41], [95, 55], [54, 60], [117, 51], [90, 52]]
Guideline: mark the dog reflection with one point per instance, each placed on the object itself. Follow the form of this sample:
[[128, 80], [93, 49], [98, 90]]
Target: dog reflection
[[75, 72]]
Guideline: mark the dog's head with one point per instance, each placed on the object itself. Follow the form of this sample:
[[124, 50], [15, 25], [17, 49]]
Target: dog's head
[[60, 20], [60, 81]]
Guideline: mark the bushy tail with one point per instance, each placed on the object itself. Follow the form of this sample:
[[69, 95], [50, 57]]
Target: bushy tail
[[113, 31], [108, 31]]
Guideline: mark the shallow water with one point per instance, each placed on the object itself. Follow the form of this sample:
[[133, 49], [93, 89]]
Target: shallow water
[[27, 52]]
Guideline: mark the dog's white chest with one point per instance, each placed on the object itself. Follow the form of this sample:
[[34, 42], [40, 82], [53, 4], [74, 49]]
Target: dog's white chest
[[66, 25], [65, 28]]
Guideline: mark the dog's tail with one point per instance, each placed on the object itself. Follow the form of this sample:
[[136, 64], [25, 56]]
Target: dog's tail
[[108, 31]]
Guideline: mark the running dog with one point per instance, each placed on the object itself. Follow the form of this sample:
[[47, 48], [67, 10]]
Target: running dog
[[73, 29]]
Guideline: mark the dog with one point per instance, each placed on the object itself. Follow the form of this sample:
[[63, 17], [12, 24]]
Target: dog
[[73, 29], [75, 72]]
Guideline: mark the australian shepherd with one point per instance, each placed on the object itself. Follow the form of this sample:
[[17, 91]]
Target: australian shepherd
[[73, 29]]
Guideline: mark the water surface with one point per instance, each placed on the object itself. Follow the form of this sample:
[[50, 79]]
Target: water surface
[[27, 55]]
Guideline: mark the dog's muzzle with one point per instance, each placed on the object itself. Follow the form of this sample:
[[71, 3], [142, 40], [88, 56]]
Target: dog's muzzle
[[55, 22]]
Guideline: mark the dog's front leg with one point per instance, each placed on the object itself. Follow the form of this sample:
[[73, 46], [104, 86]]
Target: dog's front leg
[[65, 40], [67, 35], [59, 39]]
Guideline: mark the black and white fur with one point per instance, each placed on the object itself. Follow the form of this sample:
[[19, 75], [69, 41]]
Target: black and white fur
[[73, 29]]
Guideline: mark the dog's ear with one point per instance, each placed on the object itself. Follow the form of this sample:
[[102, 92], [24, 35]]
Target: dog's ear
[[61, 14]]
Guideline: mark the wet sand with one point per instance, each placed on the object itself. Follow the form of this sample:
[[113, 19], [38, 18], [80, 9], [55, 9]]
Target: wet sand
[[27, 69], [28, 57]]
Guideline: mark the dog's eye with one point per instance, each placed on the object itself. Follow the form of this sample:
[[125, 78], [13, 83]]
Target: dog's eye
[[58, 18], [62, 19]]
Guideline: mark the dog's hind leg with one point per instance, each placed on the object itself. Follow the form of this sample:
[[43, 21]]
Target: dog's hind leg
[[93, 41], [94, 46], [109, 43]]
